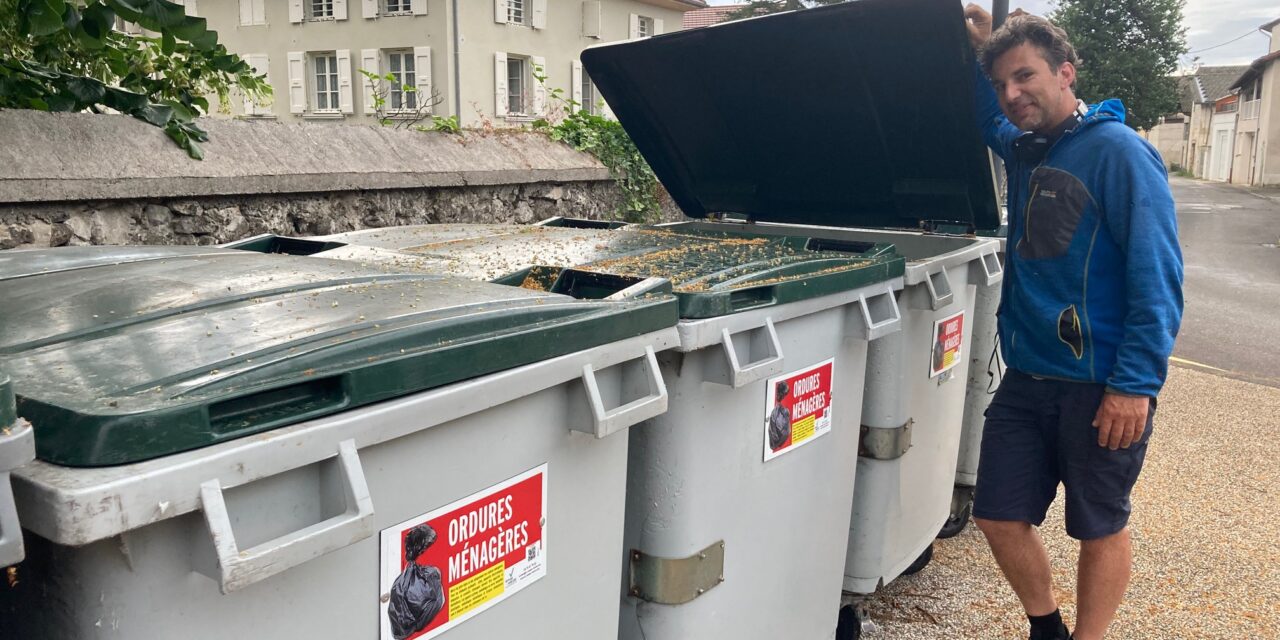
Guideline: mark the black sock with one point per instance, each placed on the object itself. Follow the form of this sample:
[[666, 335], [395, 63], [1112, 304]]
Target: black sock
[[1049, 625]]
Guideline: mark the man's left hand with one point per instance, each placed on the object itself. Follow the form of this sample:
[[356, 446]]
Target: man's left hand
[[1121, 420]]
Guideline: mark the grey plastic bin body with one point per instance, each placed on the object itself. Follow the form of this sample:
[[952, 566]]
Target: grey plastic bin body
[[17, 447], [986, 369], [277, 534], [697, 477], [901, 502]]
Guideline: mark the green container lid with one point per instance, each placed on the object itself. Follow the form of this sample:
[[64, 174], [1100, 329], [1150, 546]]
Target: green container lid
[[860, 114], [712, 273], [120, 355]]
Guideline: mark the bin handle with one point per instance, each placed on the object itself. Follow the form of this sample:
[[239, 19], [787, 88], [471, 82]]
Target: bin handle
[[642, 288], [239, 569], [608, 422], [939, 285], [19, 446], [741, 375], [880, 315], [992, 271]]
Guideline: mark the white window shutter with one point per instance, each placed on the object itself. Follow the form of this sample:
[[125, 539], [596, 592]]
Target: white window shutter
[[258, 62], [539, 14], [259, 11], [657, 26], [297, 82], [369, 62], [344, 80], [295, 10], [500, 11], [339, 9], [591, 19], [419, 7], [422, 73], [540, 88], [500, 84], [575, 85], [369, 9], [191, 9], [635, 27], [246, 12]]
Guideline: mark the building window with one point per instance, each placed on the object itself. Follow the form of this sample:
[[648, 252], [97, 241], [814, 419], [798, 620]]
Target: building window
[[644, 28], [326, 70], [588, 95], [252, 12], [515, 85], [516, 11], [397, 6], [319, 9], [400, 65]]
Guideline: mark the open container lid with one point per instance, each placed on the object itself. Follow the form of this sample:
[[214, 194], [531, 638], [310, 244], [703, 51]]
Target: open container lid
[[855, 115], [117, 356], [712, 273]]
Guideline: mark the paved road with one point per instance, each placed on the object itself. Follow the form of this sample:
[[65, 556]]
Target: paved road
[[1229, 243]]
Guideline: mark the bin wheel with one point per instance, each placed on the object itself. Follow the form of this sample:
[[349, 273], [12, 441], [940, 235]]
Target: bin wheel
[[849, 624], [920, 562], [956, 522]]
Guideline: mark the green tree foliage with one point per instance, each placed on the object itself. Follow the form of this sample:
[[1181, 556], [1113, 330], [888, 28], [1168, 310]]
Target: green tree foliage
[[65, 55], [764, 7], [1128, 49]]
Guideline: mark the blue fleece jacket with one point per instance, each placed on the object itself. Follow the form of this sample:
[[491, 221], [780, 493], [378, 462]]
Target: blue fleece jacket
[[1093, 280]]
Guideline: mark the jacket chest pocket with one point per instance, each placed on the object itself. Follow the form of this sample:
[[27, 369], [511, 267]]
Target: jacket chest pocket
[[1054, 208]]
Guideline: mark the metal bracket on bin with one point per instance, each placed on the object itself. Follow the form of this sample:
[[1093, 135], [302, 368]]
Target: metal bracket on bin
[[987, 270], [240, 569], [17, 447], [608, 422], [884, 443], [761, 341], [676, 580], [877, 316]]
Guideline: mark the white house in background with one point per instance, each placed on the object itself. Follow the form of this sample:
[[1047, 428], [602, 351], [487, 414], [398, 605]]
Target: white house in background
[[1222, 138], [474, 59], [1257, 153], [1207, 85]]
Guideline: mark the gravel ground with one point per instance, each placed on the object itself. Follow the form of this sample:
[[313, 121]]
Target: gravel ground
[[1205, 524]]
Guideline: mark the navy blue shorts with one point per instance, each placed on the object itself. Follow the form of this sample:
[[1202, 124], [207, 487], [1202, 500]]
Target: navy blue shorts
[[1040, 432]]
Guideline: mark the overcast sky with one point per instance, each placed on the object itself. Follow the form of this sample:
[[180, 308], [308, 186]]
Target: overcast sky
[[1209, 23]]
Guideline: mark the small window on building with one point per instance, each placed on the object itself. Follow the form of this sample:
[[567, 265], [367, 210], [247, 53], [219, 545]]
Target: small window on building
[[516, 69], [252, 12], [516, 13], [397, 6], [319, 9], [644, 27], [588, 95], [400, 64], [326, 74]]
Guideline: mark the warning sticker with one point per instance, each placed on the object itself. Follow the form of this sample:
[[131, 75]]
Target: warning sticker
[[444, 567], [797, 409], [948, 342]]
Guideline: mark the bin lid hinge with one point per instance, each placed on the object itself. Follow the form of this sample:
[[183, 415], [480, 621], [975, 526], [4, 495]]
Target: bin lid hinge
[[676, 580], [884, 443]]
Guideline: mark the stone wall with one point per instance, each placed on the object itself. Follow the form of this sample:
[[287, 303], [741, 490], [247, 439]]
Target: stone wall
[[68, 179]]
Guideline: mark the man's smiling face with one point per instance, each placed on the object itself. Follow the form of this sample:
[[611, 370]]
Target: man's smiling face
[[1033, 95]]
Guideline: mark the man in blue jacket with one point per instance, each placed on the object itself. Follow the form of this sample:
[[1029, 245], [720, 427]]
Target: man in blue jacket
[[1092, 300]]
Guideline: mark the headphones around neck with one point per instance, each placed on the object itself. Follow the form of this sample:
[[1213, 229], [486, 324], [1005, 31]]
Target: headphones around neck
[[1031, 147]]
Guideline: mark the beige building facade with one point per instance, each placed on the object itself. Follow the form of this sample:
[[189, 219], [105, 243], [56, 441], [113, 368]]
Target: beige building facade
[[1257, 157], [479, 60]]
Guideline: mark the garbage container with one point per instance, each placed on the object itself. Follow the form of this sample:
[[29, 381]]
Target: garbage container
[[748, 478], [242, 445], [986, 369], [823, 117], [17, 447]]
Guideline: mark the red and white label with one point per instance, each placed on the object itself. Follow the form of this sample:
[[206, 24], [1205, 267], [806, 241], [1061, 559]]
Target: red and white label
[[444, 567], [797, 409], [948, 344]]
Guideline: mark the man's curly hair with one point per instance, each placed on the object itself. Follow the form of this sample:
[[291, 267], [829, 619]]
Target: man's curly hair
[[1050, 39]]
